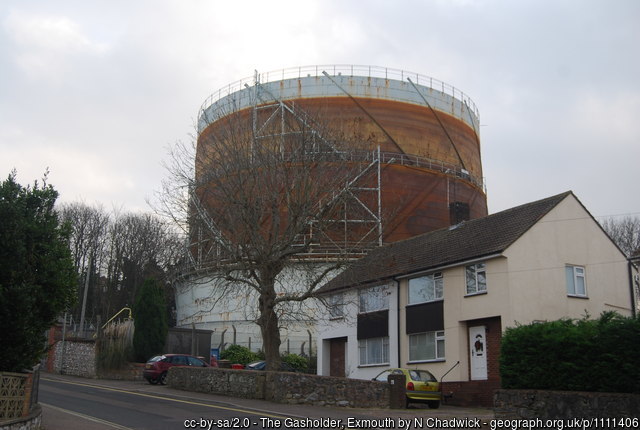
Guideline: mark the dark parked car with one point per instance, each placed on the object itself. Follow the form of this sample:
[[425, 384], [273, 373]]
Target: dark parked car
[[155, 370], [262, 365]]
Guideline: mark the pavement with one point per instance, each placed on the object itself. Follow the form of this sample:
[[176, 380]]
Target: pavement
[[55, 419]]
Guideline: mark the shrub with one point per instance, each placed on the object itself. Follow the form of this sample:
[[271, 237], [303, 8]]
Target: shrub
[[296, 361], [239, 354], [114, 346], [578, 355]]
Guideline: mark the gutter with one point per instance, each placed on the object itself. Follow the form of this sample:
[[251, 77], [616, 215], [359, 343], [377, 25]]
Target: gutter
[[447, 266]]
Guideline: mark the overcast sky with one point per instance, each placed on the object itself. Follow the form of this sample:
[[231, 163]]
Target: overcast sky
[[97, 90]]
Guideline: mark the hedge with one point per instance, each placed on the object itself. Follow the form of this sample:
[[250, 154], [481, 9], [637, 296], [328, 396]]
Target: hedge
[[576, 355]]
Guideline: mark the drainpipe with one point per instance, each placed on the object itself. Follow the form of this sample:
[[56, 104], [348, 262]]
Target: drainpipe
[[398, 317], [221, 347], [632, 287]]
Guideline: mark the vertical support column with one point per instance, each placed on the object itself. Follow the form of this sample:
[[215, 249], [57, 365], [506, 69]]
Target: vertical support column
[[379, 200]]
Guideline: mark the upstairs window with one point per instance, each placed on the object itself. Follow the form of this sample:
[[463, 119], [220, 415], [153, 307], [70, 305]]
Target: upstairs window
[[476, 277], [336, 306], [374, 299], [576, 284], [426, 288]]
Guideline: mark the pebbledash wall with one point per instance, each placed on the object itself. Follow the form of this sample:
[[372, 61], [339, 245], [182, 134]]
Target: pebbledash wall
[[282, 387]]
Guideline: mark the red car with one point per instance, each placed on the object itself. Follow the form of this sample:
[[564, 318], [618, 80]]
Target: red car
[[155, 370]]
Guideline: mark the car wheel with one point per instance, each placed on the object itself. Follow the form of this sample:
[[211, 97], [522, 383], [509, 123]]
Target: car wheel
[[163, 378], [434, 404], [153, 381]]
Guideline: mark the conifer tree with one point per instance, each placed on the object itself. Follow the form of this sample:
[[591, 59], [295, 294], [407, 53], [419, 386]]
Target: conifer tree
[[37, 276], [149, 314]]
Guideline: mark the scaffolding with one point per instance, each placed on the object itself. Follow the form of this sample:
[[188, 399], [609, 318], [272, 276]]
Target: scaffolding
[[276, 118], [360, 198]]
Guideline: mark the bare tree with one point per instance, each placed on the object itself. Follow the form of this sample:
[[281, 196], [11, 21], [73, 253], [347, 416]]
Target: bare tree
[[123, 248], [625, 232], [259, 207], [89, 226]]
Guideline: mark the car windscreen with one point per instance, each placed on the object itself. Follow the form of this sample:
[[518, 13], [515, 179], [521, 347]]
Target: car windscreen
[[156, 358], [193, 361], [422, 375], [257, 365]]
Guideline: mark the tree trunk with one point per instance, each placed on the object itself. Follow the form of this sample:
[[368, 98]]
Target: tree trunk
[[268, 322]]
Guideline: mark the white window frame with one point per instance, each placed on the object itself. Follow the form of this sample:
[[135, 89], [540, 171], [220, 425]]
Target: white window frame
[[373, 299], [437, 340], [433, 284], [471, 273], [366, 350], [335, 306], [576, 278]]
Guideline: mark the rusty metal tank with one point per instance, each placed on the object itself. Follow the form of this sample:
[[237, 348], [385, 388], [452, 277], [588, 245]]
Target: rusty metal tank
[[424, 133]]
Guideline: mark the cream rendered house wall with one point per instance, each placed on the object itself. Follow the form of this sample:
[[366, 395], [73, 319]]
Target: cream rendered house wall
[[527, 283], [458, 308], [536, 267]]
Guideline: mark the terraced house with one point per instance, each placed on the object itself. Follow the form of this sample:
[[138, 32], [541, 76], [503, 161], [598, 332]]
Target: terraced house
[[440, 301]]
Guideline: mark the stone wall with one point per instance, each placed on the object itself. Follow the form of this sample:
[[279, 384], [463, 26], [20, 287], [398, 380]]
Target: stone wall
[[75, 357], [300, 388], [282, 387], [131, 372], [530, 404], [234, 383], [31, 422]]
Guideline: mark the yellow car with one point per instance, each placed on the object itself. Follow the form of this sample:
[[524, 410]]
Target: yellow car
[[422, 386]]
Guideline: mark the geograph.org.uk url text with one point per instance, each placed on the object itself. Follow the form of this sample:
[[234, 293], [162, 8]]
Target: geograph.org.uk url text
[[412, 423]]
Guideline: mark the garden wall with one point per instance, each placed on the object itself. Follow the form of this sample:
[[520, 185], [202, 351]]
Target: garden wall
[[75, 357], [282, 387], [531, 404], [19, 408], [131, 372]]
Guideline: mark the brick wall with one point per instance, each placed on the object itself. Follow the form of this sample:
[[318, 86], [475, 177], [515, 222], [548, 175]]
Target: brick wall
[[494, 340], [479, 393], [470, 393]]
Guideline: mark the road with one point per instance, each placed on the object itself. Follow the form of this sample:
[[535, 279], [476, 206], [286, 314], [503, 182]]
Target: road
[[70, 402], [84, 404]]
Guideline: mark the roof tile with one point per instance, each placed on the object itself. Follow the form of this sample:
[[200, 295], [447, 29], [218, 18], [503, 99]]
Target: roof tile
[[465, 241]]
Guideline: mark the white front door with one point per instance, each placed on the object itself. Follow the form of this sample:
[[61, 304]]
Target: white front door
[[478, 348]]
